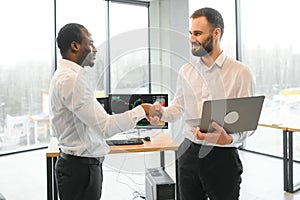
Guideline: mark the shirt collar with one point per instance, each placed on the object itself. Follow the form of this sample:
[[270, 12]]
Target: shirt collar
[[64, 63], [218, 63], [220, 60]]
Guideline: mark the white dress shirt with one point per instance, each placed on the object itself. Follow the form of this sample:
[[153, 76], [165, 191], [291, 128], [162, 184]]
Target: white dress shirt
[[79, 122], [196, 83]]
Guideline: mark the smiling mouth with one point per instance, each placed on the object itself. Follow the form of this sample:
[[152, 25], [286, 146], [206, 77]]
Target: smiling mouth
[[196, 45]]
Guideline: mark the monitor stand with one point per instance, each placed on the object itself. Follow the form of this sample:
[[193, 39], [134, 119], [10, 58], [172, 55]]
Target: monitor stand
[[139, 133]]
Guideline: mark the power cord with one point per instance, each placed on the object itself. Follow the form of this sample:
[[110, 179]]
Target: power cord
[[137, 194]]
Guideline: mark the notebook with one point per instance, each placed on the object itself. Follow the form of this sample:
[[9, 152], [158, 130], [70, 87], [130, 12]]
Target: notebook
[[233, 114]]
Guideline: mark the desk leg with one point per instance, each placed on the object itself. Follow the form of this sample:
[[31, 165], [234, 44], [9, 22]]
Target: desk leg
[[285, 161], [162, 160], [290, 163], [49, 179], [51, 184], [55, 192]]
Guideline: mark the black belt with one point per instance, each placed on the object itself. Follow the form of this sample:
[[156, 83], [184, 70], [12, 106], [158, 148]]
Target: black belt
[[206, 146], [83, 160]]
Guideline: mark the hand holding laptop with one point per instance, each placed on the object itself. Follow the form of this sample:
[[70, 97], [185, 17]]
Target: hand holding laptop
[[218, 136]]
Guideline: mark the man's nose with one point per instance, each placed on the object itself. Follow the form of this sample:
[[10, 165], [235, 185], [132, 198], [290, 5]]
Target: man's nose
[[192, 38], [94, 49]]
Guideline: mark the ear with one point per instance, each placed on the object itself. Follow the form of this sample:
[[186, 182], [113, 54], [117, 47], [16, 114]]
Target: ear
[[74, 46], [217, 33]]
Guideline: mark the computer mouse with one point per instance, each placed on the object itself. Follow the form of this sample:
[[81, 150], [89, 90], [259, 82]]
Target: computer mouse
[[147, 138]]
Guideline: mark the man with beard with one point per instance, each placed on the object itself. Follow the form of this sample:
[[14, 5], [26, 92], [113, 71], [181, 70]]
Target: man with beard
[[79, 122], [209, 164]]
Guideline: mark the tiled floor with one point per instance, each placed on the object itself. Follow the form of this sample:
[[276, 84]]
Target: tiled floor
[[23, 176]]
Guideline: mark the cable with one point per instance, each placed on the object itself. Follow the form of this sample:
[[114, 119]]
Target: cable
[[137, 194]]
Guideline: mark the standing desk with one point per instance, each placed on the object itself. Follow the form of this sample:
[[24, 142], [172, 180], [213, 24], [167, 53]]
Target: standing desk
[[159, 142], [287, 130]]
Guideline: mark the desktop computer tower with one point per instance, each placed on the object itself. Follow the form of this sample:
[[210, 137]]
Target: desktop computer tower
[[159, 185]]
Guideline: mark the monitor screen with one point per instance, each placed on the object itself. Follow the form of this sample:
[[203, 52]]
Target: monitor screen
[[120, 103]]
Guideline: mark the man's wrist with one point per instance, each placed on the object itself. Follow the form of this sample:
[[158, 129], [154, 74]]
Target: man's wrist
[[230, 139]]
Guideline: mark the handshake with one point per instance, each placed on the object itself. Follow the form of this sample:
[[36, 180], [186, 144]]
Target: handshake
[[153, 112]]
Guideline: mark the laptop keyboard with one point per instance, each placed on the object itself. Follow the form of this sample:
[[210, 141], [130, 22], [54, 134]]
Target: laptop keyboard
[[124, 142]]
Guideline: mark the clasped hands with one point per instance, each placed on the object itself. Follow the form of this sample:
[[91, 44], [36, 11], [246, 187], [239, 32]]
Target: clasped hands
[[219, 136], [153, 112]]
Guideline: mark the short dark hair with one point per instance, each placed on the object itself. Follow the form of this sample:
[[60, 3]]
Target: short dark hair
[[67, 34], [212, 16]]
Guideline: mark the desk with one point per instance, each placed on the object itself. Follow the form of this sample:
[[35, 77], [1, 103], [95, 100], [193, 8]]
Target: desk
[[288, 130], [160, 142]]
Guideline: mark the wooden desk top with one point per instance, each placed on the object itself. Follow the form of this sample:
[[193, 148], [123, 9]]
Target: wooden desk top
[[286, 127], [159, 142], [282, 127], [276, 126]]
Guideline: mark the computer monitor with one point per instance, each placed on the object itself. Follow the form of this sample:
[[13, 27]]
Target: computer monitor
[[120, 103], [104, 102]]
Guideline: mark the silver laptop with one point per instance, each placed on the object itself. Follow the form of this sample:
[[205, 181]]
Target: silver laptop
[[234, 114]]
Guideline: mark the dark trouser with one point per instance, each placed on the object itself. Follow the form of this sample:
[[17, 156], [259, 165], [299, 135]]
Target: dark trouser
[[78, 178], [206, 171]]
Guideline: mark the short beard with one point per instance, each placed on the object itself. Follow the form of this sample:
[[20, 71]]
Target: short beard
[[205, 49], [88, 61]]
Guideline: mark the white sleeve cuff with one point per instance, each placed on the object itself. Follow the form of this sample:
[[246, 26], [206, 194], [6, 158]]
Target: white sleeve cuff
[[235, 138], [138, 113]]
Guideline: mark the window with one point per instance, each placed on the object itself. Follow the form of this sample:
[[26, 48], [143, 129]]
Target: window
[[28, 60], [129, 48], [271, 49], [92, 15], [25, 71]]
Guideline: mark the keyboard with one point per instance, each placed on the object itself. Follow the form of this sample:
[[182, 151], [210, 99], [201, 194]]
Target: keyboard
[[124, 142]]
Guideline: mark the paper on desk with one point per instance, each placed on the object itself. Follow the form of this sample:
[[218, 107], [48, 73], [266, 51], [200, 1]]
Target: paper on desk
[[136, 133], [119, 136]]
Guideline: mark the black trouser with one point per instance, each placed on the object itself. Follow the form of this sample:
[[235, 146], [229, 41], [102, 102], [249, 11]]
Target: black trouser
[[78, 178], [206, 171]]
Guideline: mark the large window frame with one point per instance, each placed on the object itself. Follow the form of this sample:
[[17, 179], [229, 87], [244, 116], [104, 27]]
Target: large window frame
[[273, 62], [26, 68], [129, 48]]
